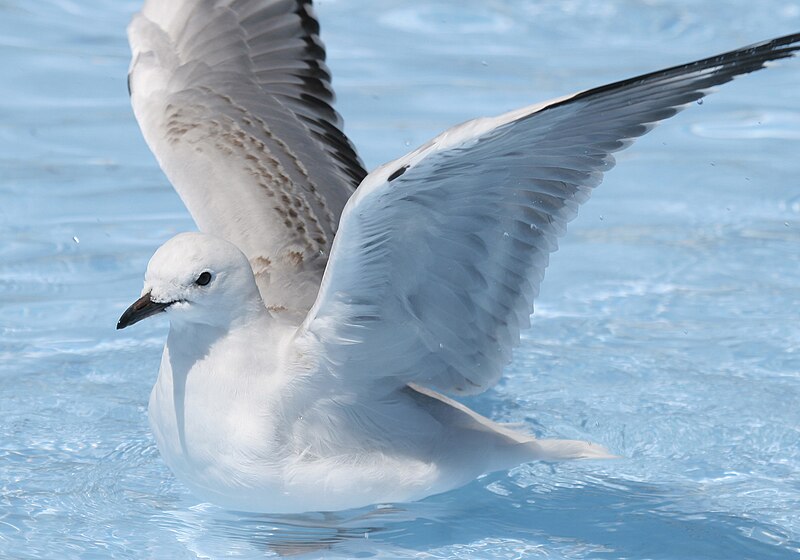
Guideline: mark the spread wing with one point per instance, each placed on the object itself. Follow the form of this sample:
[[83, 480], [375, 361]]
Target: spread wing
[[440, 254], [234, 99]]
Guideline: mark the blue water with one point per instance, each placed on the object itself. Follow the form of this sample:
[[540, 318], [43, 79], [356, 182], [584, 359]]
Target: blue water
[[667, 327]]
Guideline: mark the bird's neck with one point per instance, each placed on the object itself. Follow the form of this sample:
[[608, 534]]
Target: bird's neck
[[191, 342]]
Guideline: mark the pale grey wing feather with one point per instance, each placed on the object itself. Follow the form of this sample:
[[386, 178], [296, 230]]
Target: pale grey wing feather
[[234, 99], [440, 254]]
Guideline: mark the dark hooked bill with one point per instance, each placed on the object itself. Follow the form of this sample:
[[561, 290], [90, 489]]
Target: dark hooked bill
[[142, 308]]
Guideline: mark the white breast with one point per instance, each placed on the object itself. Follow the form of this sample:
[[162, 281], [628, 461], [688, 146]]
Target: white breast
[[212, 425]]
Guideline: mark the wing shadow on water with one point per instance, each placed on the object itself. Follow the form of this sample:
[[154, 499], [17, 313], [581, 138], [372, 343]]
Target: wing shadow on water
[[605, 518]]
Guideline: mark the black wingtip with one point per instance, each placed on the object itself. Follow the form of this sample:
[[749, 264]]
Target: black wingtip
[[725, 66]]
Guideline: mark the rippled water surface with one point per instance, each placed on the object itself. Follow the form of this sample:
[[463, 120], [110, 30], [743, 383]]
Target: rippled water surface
[[667, 327]]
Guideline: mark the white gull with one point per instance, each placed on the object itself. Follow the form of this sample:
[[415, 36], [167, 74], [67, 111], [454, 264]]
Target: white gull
[[303, 372]]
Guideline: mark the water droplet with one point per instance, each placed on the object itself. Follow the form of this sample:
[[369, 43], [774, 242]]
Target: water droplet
[[700, 101], [785, 224], [601, 218], [484, 63], [505, 234], [75, 239], [441, 346]]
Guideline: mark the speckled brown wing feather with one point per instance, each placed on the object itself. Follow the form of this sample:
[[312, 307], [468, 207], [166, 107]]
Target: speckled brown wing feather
[[234, 99]]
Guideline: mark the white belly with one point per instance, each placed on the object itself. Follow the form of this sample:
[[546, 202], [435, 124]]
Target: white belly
[[248, 444], [224, 467]]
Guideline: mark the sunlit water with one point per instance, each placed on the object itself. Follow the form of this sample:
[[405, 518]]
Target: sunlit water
[[667, 327]]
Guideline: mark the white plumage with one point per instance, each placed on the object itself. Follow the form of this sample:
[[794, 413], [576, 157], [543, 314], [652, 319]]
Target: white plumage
[[290, 391]]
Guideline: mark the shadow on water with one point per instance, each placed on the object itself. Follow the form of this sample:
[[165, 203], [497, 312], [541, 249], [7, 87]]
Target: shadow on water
[[604, 519]]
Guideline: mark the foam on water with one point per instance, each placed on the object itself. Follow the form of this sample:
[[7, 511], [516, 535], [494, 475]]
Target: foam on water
[[668, 319]]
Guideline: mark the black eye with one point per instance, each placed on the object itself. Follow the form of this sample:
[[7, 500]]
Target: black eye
[[203, 279]]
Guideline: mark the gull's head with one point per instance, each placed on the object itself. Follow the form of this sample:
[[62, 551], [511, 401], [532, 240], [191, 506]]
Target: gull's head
[[197, 279]]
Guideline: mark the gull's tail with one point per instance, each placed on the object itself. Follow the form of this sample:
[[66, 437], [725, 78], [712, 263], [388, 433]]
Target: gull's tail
[[566, 449]]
